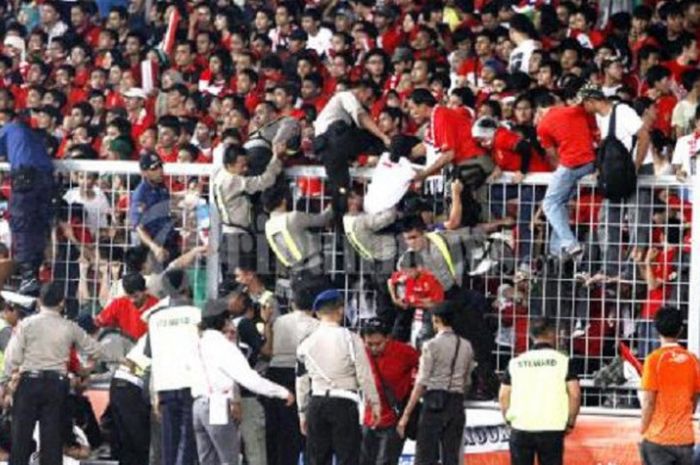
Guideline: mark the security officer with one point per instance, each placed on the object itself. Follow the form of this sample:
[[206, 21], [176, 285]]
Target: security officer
[[39, 353], [173, 339], [149, 211], [289, 234], [332, 366], [366, 233], [268, 130], [443, 253], [540, 399], [343, 130], [30, 208], [232, 191], [444, 373], [282, 339]]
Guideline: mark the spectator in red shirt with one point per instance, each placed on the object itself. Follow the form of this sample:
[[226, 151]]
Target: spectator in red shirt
[[449, 133], [394, 365], [659, 80], [659, 270], [684, 61], [566, 133], [125, 312], [512, 153], [413, 286]]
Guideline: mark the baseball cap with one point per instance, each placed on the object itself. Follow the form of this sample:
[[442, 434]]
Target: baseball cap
[[135, 92], [150, 161], [590, 91], [484, 128], [372, 326], [299, 34], [214, 307], [327, 296], [23, 304]]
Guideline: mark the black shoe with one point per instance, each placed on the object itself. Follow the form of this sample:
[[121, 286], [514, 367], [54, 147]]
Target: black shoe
[[30, 287]]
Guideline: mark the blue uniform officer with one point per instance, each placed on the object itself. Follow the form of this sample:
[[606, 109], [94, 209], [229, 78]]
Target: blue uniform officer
[[31, 171], [149, 212]]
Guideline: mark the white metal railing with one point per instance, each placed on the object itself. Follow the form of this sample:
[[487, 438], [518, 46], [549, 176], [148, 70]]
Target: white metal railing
[[564, 294]]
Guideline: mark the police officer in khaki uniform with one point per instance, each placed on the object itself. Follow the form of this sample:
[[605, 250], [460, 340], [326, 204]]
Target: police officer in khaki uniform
[[540, 399], [282, 338], [39, 353], [289, 234], [332, 367], [444, 374]]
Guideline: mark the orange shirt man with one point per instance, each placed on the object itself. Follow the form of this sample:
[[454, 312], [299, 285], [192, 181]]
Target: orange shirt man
[[671, 387]]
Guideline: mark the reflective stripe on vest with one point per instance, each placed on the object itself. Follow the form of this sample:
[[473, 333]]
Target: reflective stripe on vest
[[539, 400], [438, 241], [278, 225], [348, 223]]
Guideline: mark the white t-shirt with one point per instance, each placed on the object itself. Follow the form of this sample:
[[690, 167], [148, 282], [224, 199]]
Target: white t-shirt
[[96, 209], [520, 57], [390, 181], [321, 42], [627, 125], [686, 153], [682, 116]]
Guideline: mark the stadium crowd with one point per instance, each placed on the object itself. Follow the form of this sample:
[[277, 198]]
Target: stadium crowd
[[453, 103]]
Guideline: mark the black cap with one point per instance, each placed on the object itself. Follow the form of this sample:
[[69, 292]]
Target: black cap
[[214, 307], [373, 326], [150, 161], [299, 34]]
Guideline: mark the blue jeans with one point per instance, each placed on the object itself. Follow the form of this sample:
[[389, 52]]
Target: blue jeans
[[696, 457], [177, 428], [556, 208], [647, 338]]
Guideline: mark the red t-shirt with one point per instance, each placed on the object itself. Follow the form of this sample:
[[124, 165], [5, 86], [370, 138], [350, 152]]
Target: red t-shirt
[[452, 130], [397, 365], [122, 313], [664, 269], [424, 287], [505, 156], [665, 106], [570, 130], [676, 69]]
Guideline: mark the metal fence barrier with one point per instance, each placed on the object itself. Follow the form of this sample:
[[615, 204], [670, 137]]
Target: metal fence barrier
[[601, 302]]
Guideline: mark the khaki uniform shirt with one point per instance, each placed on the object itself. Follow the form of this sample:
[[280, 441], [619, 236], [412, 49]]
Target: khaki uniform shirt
[[436, 362], [230, 193], [333, 358], [43, 343]]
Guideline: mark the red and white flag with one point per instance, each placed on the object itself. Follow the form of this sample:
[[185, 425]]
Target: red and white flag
[[169, 39]]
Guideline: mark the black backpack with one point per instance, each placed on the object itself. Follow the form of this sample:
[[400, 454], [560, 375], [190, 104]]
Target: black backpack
[[617, 177]]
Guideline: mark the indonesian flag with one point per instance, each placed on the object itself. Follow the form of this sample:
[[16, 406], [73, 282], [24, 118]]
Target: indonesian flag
[[149, 71], [169, 39], [630, 359]]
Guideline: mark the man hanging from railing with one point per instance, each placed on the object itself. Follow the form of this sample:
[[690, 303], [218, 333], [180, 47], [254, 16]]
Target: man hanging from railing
[[448, 141], [30, 204], [344, 129]]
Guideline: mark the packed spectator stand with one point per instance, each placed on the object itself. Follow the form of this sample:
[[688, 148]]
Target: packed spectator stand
[[117, 89]]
